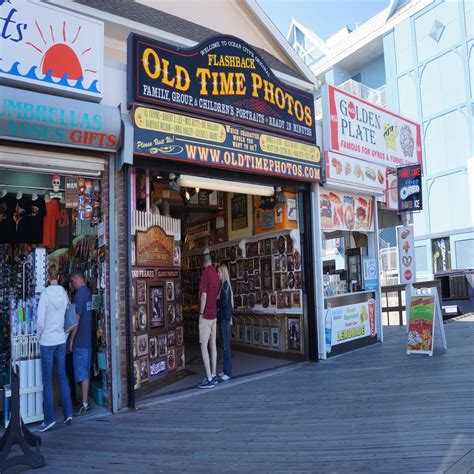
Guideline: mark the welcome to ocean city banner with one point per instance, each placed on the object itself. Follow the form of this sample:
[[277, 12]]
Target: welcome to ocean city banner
[[179, 137], [223, 78], [362, 130]]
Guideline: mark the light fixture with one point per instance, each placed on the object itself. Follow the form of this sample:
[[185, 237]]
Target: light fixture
[[222, 185]]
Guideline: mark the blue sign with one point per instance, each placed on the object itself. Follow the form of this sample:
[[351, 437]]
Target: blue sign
[[370, 274], [410, 195]]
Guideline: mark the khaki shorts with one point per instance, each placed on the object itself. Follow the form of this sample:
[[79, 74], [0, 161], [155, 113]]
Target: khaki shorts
[[207, 330]]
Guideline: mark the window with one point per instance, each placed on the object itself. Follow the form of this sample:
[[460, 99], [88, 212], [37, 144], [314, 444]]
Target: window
[[441, 252], [464, 253], [421, 258]]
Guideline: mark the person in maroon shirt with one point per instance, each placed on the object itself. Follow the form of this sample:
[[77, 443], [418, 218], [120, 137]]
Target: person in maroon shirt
[[208, 291]]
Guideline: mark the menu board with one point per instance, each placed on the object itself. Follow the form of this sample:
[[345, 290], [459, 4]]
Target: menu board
[[421, 324], [406, 254], [345, 211]]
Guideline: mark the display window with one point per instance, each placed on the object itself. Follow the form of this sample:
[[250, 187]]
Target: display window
[[46, 217], [257, 238]]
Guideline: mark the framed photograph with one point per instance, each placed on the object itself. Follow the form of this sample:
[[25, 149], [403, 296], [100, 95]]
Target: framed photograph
[[295, 299], [277, 281], [290, 262], [274, 245], [265, 300], [141, 292], [266, 336], [248, 334], [289, 244], [297, 260], [177, 254], [291, 209], [134, 293], [142, 318], [258, 297], [144, 369], [162, 345], [256, 335], [233, 254], [276, 263], [177, 290], [251, 300], [257, 277], [142, 345], [171, 313], [134, 346], [281, 245], [134, 322], [273, 299], [250, 265], [266, 279], [240, 333], [156, 307], [280, 300], [283, 263], [136, 375], [171, 338], [275, 337], [179, 336], [298, 282], [240, 269], [291, 280], [287, 299], [171, 359], [284, 281], [251, 283], [261, 249], [180, 357], [153, 347], [267, 245], [294, 334], [245, 276], [233, 270], [169, 291], [179, 313]]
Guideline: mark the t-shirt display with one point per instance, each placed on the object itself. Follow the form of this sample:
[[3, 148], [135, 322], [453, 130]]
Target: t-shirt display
[[36, 221], [21, 219], [50, 224], [64, 232], [7, 207]]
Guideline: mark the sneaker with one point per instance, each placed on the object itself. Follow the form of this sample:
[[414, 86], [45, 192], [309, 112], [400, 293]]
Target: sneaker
[[215, 381], [221, 374], [206, 383], [83, 409], [45, 426], [224, 377], [68, 420]]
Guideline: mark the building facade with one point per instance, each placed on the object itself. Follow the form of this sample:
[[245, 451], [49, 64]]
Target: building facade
[[415, 58]]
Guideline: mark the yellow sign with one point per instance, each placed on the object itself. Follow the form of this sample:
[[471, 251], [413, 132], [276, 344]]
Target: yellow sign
[[291, 149]]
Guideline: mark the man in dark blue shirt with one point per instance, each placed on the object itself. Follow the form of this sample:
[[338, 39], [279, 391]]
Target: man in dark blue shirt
[[81, 338]]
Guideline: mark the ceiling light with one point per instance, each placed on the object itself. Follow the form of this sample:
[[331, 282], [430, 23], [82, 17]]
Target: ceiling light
[[222, 185]]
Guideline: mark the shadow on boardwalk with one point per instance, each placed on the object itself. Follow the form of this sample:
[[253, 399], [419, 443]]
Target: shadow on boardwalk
[[375, 410]]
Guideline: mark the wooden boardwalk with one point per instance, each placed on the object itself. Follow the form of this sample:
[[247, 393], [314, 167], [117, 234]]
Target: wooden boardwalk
[[375, 410]]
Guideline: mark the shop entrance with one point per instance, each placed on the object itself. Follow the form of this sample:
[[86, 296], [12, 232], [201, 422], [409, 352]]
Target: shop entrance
[[255, 231]]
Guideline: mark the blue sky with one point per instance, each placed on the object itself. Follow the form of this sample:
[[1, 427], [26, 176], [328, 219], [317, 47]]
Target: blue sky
[[324, 17]]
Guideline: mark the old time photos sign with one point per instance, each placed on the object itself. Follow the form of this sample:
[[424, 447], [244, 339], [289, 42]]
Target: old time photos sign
[[222, 77]]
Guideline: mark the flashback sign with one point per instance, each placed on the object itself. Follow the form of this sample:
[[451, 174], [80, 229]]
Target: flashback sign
[[410, 197], [179, 137], [362, 130], [222, 77]]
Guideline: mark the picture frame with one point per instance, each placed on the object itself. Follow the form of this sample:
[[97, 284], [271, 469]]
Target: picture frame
[[276, 263], [283, 263], [179, 336], [144, 369], [170, 313], [162, 345], [294, 334], [142, 318], [280, 300], [297, 260], [296, 299], [156, 306], [153, 347], [141, 292], [291, 280], [266, 336], [290, 262], [171, 338], [275, 337], [170, 291], [142, 345], [248, 334], [136, 375], [298, 281], [273, 299], [134, 346], [287, 296], [256, 335], [171, 359], [180, 357], [266, 269], [133, 288], [179, 313], [240, 333]]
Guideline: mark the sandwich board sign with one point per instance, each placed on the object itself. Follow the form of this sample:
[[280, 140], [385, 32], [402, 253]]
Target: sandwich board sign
[[424, 314]]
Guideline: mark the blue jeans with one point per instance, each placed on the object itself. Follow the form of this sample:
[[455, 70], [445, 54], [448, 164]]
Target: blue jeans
[[224, 327], [56, 355]]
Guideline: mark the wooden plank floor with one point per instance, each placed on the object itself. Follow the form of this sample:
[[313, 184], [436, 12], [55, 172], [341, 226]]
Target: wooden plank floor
[[375, 410]]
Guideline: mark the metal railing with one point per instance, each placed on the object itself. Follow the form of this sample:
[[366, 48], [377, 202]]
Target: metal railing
[[375, 96]]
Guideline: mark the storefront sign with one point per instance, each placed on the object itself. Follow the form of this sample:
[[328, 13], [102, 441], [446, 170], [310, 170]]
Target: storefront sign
[[71, 192], [239, 212], [50, 48], [182, 138], [406, 254], [345, 211], [154, 247], [370, 274], [222, 77], [410, 196], [362, 130], [154, 274], [421, 324], [351, 322], [40, 118], [355, 173]]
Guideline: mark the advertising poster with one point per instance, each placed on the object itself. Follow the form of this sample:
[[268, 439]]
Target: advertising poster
[[363, 130], [421, 324], [348, 323], [202, 142], [370, 274], [345, 211], [410, 193], [391, 192], [222, 77], [406, 254]]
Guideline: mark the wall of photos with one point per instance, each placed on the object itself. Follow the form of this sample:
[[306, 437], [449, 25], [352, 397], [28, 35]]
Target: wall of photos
[[266, 278]]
